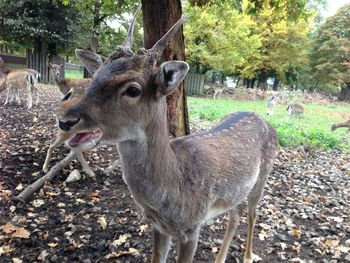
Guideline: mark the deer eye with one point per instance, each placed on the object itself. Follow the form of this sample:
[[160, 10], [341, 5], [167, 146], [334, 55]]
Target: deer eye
[[132, 92]]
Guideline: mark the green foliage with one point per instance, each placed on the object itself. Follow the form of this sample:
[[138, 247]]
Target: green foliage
[[312, 131], [218, 37], [28, 22], [331, 49]]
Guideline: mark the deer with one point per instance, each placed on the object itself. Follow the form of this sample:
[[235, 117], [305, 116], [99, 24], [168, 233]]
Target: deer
[[345, 124], [295, 110], [62, 136], [271, 103], [66, 84], [14, 80], [178, 184]]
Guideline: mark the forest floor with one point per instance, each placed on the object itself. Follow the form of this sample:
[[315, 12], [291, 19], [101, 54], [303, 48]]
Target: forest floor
[[304, 215]]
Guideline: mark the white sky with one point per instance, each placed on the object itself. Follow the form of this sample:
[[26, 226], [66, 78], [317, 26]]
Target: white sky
[[333, 6]]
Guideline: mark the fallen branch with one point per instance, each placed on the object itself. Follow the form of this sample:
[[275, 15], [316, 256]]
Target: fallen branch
[[31, 189]]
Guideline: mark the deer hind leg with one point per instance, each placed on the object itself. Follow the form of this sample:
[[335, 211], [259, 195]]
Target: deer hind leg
[[253, 199], [234, 218], [161, 245], [85, 165], [188, 246], [30, 94], [8, 91]]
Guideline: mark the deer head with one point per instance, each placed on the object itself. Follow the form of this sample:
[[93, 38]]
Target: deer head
[[126, 89]]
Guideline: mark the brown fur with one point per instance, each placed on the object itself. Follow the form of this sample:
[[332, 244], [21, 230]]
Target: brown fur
[[345, 124], [66, 84]]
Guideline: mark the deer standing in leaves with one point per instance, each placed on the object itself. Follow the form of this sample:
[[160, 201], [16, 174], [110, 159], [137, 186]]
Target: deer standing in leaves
[[181, 183]]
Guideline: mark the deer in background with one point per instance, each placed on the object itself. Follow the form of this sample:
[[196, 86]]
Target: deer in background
[[341, 125], [66, 84], [181, 183], [295, 110], [16, 80], [271, 103]]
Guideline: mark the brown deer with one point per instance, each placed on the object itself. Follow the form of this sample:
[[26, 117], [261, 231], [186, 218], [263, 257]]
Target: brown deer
[[295, 110], [181, 183], [66, 84], [341, 125]]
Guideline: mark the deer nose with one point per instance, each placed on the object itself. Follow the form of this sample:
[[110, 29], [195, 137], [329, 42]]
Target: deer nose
[[66, 125]]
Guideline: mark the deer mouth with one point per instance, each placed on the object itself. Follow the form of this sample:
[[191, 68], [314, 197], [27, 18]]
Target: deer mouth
[[90, 137]]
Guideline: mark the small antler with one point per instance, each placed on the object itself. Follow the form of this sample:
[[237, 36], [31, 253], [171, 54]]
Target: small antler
[[128, 41], [161, 43]]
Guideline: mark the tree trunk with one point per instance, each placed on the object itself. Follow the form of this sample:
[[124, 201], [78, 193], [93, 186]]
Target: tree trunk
[[37, 59], [158, 17], [276, 82], [262, 80], [345, 92]]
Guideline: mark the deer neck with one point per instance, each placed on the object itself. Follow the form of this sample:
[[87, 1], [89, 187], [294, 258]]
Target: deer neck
[[149, 161], [62, 85]]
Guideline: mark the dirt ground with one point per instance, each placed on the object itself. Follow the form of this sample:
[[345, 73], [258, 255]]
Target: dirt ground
[[304, 215]]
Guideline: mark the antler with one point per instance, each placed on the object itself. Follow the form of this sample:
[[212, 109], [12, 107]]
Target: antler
[[128, 41], [159, 47]]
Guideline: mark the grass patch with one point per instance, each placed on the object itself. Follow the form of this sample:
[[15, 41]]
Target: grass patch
[[313, 130], [73, 74]]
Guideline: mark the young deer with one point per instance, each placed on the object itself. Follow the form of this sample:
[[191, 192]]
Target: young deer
[[341, 125], [25, 80], [295, 110], [66, 84], [271, 103], [178, 184]]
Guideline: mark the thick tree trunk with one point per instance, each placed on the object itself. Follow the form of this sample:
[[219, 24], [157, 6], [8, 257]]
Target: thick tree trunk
[[158, 17], [345, 92], [276, 82], [262, 80]]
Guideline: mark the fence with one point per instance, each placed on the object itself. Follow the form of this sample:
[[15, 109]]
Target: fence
[[194, 84], [14, 61]]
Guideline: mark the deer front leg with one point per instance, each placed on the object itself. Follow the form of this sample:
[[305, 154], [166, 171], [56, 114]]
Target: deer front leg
[[30, 98], [188, 246], [53, 144], [8, 89], [85, 165], [161, 245]]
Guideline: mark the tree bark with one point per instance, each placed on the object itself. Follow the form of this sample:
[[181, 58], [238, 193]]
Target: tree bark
[[276, 82], [345, 92], [262, 80], [158, 17]]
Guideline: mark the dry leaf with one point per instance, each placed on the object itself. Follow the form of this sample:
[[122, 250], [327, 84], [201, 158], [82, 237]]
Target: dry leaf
[[17, 260], [121, 240], [8, 228], [19, 187], [102, 221], [37, 202], [283, 246], [295, 248], [332, 243], [5, 249], [131, 251], [21, 232], [296, 232], [43, 255], [52, 244], [143, 228]]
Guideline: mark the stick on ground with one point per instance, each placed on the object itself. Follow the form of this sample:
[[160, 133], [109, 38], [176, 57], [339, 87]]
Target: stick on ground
[[31, 189]]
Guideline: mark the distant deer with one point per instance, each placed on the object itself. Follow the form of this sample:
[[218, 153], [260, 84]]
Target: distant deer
[[178, 184], [66, 84], [271, 103], [341, 125], [295, 110]]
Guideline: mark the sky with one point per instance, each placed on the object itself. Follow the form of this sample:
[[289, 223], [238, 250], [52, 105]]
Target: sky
[[333, 6]]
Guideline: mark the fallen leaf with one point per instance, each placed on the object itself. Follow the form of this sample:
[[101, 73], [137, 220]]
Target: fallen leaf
[[131, 251], [102, 221], [214, 250], [52, 244], [121, 240], [17, 260], [43, 255], [21, 232], [332, 243], [296, 232], [19, 187], [8, 228]]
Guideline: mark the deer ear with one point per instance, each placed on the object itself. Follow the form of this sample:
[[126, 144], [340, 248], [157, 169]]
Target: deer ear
[[171, 73], [91, 61]]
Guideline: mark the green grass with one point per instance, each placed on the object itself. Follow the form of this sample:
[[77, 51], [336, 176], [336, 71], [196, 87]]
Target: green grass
[[72, 74], [312, 131]]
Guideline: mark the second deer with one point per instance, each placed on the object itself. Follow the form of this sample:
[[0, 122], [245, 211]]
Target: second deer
[[178, 184], [345, 124]]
